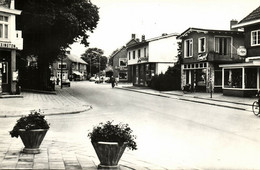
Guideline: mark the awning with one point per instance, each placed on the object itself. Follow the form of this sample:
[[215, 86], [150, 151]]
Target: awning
[[77, 73]]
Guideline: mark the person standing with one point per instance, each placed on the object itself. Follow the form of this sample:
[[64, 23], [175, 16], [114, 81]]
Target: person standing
[[112, 81]]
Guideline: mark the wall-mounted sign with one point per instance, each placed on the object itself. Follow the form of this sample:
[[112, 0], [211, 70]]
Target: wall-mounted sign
[[241, 51], [7, 45]]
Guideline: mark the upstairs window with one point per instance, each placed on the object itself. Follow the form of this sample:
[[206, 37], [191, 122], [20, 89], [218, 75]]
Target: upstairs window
[[255, 38], [188, 48], [4, 27], [129, 55], [63, 66], [223, 45], [202, 45], [122, 62], [139, 53], [133, 54], [144, 52]]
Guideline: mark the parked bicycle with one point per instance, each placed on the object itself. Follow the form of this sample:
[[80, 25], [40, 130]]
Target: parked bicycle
[[187, 89], [255, 105]]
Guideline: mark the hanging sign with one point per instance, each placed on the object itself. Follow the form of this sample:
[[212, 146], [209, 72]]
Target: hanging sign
[[241, 51]]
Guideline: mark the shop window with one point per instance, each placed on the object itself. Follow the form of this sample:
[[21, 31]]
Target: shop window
[[4, 72], [188, 48], [122, 76], [233, 78], [201, 77], [250, 77], [255, 37]]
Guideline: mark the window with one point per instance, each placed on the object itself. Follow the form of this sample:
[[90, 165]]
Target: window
[[122, 62], [129, 55], [3, 27], [63, 66], [250, 77], [202, 45], [188, 49], [133, 54], [122, 76], [233, 78], [223, 45], [139, 53], [4, 72], [144, 52], [255, 38]]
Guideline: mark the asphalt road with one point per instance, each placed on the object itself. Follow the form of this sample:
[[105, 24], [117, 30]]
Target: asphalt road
[[170, 133]]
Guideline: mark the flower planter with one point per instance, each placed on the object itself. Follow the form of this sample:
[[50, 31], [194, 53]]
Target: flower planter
[[109, 154], [32, 139]]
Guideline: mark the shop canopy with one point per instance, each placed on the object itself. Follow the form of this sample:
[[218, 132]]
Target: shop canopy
[[77, 73]]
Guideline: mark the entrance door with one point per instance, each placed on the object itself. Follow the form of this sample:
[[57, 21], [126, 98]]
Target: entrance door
[[4, 77]]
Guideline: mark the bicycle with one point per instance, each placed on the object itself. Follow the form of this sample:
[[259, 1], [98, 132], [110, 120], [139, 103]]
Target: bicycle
[[255, 108], [255, 105]]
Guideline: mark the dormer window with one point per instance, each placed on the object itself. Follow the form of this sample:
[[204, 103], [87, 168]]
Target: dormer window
[[255, 38], [3, 27]]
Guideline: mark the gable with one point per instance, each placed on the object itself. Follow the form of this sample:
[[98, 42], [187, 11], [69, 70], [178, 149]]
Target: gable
[[254, 15]]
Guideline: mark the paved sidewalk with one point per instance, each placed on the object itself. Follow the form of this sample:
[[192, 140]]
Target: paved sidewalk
[[217, 99], [61, 102]]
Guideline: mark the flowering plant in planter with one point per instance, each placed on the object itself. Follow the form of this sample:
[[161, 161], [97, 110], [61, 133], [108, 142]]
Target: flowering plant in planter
[[107, 132], [35, 120]]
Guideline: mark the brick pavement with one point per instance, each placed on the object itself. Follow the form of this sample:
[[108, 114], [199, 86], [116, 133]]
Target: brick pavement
[[63, 102]]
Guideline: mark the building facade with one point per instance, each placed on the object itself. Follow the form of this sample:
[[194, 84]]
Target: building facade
[[243, 79], [10, 42], [203, 50], [149, 57], [119, 64], [72, 67]]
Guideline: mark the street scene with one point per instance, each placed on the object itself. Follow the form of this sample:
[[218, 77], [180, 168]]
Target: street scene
[[172, 132], [129, 84]]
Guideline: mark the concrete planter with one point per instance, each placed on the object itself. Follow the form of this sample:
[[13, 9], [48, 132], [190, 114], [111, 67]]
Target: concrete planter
[[32, 139], [109, 154]]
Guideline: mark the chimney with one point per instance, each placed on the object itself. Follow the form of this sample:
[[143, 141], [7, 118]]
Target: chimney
[[133, 36], [143, 38], [233, 22]]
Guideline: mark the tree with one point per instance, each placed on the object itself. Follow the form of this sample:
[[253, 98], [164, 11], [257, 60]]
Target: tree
[[50, 26], [94, 57]]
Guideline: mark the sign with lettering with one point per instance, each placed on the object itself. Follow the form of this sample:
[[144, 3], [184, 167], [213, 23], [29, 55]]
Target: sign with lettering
[[7, 45], [241, 51]]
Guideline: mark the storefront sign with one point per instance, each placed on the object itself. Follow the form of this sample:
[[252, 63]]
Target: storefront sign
[[202, 56], [241, 51], [7, 45]]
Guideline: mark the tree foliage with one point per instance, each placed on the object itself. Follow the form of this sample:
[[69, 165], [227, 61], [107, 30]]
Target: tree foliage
[[50, 26], [94, 57]]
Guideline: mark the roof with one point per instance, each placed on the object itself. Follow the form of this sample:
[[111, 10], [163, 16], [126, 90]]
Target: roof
[[206, 31], [76, 59], [254, 15], [153, 39], [252, 18]]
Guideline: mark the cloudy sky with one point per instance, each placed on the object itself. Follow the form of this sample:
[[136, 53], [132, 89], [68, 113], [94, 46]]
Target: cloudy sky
[[121, 18]]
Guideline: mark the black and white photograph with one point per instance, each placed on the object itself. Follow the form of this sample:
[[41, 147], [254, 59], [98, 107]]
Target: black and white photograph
[[129, 84]]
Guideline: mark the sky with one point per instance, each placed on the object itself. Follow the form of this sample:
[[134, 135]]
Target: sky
[[119, 19]]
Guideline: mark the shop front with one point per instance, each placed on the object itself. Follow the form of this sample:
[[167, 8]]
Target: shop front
[[143, 73], [241, 79]]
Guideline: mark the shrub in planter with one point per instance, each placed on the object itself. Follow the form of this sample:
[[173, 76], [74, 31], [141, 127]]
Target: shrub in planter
[[110, 140], [32, 130]]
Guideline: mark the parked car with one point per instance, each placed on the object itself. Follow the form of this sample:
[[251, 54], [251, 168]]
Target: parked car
[[66, 82], [93, 78]]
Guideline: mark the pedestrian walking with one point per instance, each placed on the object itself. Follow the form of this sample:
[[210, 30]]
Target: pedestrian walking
[[112, 81]]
